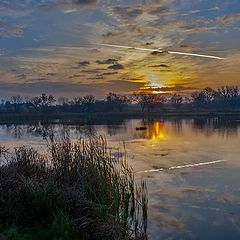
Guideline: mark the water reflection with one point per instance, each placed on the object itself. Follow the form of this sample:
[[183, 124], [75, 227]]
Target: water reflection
[[156, 130], [225, 127], [116, 129], [16, 131], [20, 131]]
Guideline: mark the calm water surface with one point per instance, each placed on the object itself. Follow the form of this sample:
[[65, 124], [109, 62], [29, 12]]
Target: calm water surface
[[198, 202]]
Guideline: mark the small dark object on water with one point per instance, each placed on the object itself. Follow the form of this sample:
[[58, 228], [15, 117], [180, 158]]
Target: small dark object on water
[[141, 128]]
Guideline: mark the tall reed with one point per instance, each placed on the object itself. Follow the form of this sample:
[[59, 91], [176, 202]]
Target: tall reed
[[80, 178]]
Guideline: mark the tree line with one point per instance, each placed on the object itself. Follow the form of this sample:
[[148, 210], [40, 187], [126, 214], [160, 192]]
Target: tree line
[[222, 98]]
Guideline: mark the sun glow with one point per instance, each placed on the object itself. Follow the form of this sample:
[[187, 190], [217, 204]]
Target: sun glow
[[159, 82], [151, 88]]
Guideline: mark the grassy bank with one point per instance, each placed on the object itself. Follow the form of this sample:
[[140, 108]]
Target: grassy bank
[[76, 190], [106, 117]]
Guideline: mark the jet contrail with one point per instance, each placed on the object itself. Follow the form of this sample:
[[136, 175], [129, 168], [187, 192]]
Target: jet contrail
[[195, 55], [160, 51], [128, 47], [183, 166]]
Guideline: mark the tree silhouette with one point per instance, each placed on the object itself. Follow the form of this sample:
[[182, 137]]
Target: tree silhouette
[[115, 101]]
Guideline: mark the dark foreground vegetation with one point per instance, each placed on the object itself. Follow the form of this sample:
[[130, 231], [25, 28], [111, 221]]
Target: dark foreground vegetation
[[76, 190]]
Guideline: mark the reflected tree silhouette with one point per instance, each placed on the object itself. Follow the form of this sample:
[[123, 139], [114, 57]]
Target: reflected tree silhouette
[[115, 129], [225, 127], [16, 131], [177, 126]]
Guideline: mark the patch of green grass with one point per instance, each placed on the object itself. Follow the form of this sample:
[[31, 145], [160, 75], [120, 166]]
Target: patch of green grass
[[14, 233], [61, 228]]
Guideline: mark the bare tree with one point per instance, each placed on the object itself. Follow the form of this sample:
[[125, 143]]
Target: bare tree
[[227, 96], [209, 95], [150, 101], [16, 101], [116, 101], [144, 100], [87, 102], [43, 101], [176, 100], [77, 100]]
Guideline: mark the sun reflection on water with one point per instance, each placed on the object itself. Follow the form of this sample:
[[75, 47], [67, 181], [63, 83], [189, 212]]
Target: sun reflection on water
[[155, 131]]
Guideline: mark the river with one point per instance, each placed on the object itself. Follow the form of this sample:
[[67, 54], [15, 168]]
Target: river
[[192, 169]]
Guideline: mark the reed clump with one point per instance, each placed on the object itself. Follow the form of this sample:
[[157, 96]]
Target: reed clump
[[76, 190]]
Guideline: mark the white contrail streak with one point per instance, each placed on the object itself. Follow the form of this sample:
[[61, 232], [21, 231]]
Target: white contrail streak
[[183, 166], [127, 47], [195, 55], [160, 51]]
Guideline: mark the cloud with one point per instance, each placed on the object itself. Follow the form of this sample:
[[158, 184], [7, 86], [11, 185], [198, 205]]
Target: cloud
[[176, 88], [12, 8], [84, 2], [94, 50], [151, 21], [125, 13], [129, 32], [96, 78], [160, 65], [37, 87], [14, 15], [123, 86], [51, 74], [194, 11], [106, 74], [8, 77], [229, 19], [116, 66], [159, 10], [36, 80], [169, 89], [8, 30], [198, 29], [108, 61], [75, 76], [216, 8], [68, 6], [21, 76], [84, 63], [67, 89], [90, 71], [76, 5]]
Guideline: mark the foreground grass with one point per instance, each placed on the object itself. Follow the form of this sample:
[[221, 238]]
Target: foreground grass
[[77, 190]]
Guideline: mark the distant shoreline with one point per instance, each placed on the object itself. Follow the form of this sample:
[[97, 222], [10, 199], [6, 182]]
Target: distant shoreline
[[84, 118]]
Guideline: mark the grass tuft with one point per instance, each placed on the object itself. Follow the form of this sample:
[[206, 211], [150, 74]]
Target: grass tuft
[[77, 190]]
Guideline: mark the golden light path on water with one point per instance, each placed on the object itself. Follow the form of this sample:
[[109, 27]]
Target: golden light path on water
[[155, 131]]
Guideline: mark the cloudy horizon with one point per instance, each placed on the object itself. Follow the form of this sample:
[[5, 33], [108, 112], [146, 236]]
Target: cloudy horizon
[[50, 46]]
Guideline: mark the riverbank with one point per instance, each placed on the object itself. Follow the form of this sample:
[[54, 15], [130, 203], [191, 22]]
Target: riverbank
[[106, 117]]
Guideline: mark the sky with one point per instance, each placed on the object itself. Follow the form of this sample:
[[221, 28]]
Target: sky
[[51, 46]]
